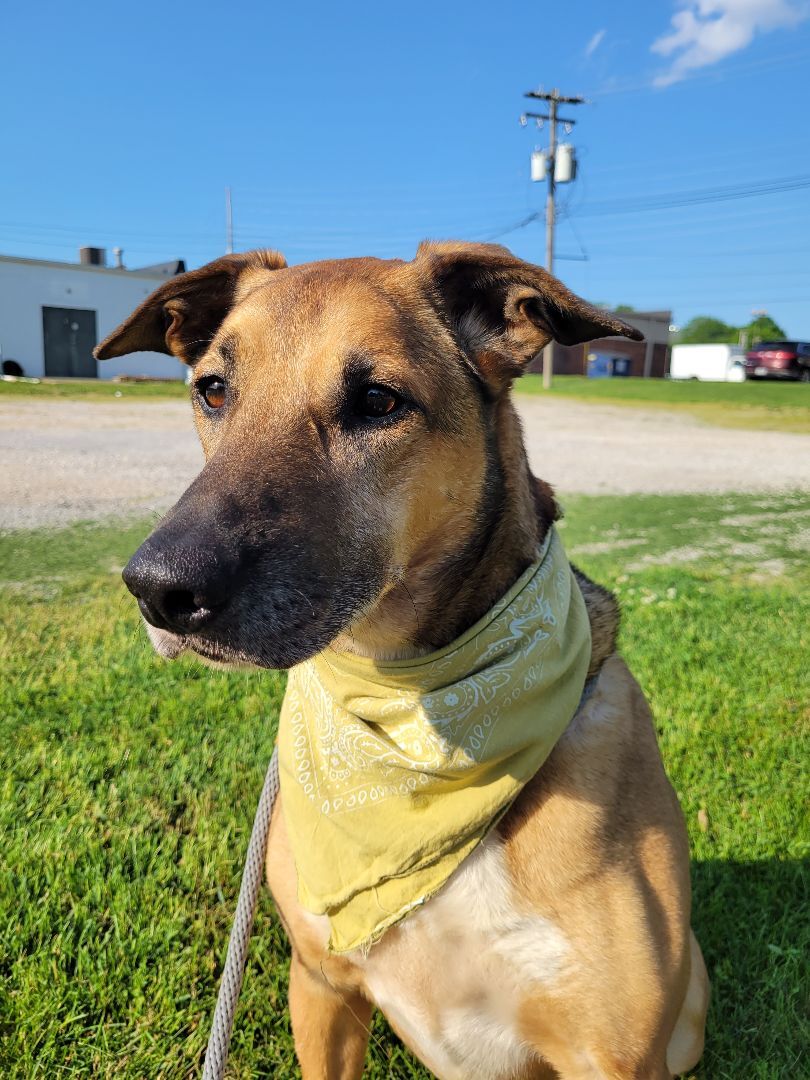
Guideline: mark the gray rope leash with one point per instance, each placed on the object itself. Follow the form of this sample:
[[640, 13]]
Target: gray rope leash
[[219, 1041]]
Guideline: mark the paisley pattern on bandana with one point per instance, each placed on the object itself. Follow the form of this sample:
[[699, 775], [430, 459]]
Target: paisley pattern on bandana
[[392, 772]]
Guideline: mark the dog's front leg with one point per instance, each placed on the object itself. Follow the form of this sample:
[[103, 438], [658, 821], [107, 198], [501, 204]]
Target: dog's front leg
[[330, 1028]]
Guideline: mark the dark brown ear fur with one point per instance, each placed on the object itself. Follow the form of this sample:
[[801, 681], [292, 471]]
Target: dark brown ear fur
[[182, 316], [504, 310]]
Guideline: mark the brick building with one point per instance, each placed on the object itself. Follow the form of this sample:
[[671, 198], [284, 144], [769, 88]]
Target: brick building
[[649, 358]]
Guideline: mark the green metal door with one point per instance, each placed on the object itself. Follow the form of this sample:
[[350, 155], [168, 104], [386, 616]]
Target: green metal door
[[69, 336]]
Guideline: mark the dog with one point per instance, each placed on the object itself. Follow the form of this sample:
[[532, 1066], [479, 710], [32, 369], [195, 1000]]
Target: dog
[[366, 491]]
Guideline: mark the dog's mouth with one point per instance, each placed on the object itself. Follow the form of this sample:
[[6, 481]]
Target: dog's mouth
[[259, 637], [165, 643], [171, 646]]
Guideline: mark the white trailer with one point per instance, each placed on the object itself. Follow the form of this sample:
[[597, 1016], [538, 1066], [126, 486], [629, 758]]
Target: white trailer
[[709, 363]]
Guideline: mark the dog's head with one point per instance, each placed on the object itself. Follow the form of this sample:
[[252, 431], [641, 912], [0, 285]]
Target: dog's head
[[345, 413]]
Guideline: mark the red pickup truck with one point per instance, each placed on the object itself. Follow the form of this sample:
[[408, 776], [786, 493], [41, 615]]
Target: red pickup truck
[[779, 360]]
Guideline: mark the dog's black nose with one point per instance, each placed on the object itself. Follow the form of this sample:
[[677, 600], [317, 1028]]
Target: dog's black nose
[[177, 588]]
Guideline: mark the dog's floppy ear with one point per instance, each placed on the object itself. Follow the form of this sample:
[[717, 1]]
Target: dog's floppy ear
[[503, 310], [184, 314]]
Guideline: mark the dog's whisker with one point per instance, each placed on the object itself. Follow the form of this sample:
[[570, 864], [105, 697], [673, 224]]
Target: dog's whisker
[[304, 596], [401, 583]]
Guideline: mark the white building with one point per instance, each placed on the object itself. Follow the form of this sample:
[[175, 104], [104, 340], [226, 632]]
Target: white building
[[53, 314]]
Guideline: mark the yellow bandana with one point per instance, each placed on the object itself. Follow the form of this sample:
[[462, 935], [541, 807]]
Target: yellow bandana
[[392, 773]]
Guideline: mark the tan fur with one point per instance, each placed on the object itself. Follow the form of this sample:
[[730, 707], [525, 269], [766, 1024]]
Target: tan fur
[[562, 946]]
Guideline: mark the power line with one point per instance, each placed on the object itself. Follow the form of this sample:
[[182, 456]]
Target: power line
[[85, 230], [669, 255], [672, 200], [536, 216], [701, 196], [673, 166]]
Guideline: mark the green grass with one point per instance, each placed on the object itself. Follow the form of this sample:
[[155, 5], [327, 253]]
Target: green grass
[[766, 405], [127, 789], [92, 389]]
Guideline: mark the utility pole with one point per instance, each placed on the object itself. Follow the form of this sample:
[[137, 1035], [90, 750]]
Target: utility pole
[[228, 222], [554, 98]]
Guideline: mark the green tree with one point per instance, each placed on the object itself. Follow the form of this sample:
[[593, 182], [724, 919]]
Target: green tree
[[705, 330], [763, 328]]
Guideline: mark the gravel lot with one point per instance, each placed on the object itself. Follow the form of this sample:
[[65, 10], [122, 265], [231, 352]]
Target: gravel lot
[[63, 461]]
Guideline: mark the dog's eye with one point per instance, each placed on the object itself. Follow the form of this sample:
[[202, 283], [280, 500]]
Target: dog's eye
[[375, 401], [213, 391]]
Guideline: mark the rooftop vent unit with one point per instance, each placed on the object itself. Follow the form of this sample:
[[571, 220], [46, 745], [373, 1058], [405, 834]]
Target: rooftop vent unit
[[92, 256]]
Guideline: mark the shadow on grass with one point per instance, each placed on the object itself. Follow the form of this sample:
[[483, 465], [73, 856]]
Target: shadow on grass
[[750, 919]]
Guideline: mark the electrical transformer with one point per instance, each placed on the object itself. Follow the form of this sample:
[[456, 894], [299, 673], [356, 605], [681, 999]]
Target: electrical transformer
[[539, 165], [565, 164]]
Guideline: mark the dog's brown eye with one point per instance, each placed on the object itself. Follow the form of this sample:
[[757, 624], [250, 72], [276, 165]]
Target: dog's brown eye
[[375, 401], [213, 391]]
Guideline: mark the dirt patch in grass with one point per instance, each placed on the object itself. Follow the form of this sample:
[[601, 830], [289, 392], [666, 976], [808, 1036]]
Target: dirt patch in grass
[[604, 547]]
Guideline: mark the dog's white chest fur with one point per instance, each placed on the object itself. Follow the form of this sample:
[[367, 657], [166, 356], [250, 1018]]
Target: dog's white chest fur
[[451, 977]]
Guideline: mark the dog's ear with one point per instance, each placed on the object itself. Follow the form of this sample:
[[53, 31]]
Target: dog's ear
[[184, 314], [503, 310]]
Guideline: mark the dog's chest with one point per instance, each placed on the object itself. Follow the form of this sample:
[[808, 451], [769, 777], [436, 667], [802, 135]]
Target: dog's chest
[[451, 978]]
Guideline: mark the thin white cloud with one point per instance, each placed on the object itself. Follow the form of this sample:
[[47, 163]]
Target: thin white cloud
[[595, 42], [705, 31]]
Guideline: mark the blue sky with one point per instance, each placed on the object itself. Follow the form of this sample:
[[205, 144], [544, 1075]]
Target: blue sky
[[362, 128]]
